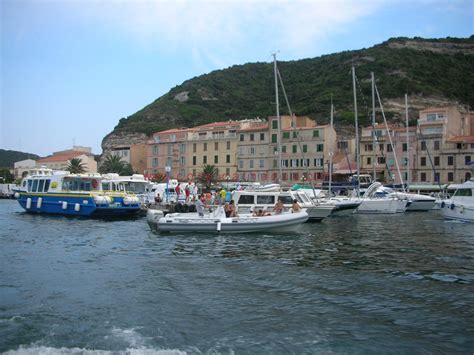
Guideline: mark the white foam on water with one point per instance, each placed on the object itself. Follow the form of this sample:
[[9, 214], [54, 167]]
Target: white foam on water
[[45, 350]]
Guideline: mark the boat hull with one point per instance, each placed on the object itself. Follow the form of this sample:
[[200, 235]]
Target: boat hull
[[381, 206], [191, 222], [76, 204], [458, 212]]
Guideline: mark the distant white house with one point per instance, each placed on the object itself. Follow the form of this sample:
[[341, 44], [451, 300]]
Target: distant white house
[[22, 167], [59, 160]]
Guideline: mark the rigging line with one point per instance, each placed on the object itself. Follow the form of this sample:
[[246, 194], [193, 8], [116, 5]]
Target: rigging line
[[418, 130], [390, 138], [298, 137]]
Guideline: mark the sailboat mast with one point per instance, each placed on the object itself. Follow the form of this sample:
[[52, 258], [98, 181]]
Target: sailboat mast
[[408, 144], [331, 152], [373, 126], [277, 103], [356, 131]]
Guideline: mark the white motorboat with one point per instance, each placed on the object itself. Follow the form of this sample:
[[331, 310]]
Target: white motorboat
[[380, 203], [217, 222], [417, 202], [461, 205], [245, 200]]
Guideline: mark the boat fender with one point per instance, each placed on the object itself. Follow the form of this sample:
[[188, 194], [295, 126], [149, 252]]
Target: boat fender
[[17, 195], [28, 203], [64, 205], [219, 226], [185, 208], [192, 208], [77, 207], [442, 204], [39, 203], [461, 209], [452, 206]]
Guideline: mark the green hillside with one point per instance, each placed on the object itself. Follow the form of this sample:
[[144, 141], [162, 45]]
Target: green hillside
[[8, 157], [438, 68]]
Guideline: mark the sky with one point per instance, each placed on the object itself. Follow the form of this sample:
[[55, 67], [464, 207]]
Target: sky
[[70, 69]]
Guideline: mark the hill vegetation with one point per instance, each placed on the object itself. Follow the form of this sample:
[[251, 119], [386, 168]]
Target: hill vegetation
[[440, 68], [9, 157]]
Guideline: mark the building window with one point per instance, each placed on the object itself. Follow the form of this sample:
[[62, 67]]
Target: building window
[[381, 147], [194, 160], [194, 147], [227, 158], [155, 150], [404, 147], [342, 145], [368, 147], [242, 137], [275, 162], [227, 171], [423, 145], [262, 163], [294, 148], [436, 177], [216, 145], [436, 145], [262, 136], [423, 161], [450, 160], [275, 124], [389, 148], [286, 135], [251, 164], [381, 160], [467, 159], [252, 150], [216, 159], [170, 149], [423, 177], [241, 164], [295, 134], [228, 144], [155, 162], [204, 159], [450, 176], [316, 134], [319, 147], [436, 161], [283, 148], [369, 161], [274, 138], [305, 148], [204, 148], [252, 137]]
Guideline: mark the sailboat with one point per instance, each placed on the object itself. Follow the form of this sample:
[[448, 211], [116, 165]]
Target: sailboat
[[373, 202]]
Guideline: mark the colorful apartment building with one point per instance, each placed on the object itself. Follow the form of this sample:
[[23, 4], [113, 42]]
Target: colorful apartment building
[[253, 152], [305, 148], [445, 145]]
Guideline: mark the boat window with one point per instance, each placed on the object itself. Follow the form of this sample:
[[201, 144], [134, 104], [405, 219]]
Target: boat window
[[303, 198], [299, 198], [463, 192], [84, 185], [105, 186], [24, 183], [266, 200], [246, 199], [46, 185], [35, 186], [286, 199], [30, 185], [41, 185]]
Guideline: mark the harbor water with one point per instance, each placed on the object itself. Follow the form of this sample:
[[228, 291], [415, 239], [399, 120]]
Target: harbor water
[[352, 284]]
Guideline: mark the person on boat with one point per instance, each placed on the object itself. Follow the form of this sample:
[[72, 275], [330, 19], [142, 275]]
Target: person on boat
[[232, 209], [158, 198], [200, 205], [278, 207], [187, 192], [178, 191], [227, 209], [295, 207]]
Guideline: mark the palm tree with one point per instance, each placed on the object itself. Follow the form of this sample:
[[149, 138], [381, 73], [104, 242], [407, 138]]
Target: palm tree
[[112, 164], [208, 176], [76, 166]]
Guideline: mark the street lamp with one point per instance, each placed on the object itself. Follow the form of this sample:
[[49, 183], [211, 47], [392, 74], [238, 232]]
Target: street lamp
[[168, 170]]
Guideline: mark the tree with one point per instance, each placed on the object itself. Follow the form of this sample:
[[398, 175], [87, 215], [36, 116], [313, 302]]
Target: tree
[[208, 176], [76, 166], [112, 164], [6, 177], [157, 178]]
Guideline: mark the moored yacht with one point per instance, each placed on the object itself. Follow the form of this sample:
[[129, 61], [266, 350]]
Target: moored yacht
[[461, 205]]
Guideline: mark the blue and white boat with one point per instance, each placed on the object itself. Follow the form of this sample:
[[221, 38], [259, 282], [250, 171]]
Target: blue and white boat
[[60, 192]]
